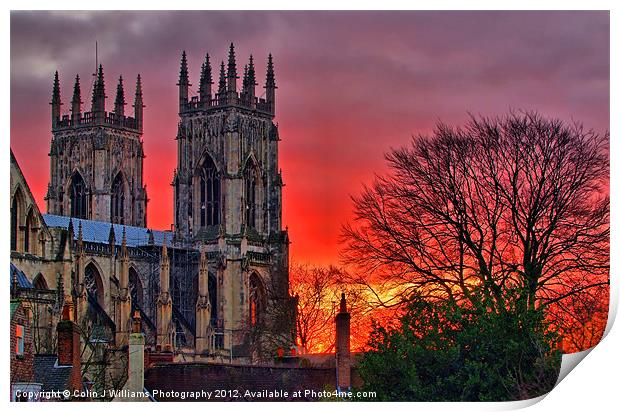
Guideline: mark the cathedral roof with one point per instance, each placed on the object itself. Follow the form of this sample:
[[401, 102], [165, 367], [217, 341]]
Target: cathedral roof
[[22, 279], [99, 232]]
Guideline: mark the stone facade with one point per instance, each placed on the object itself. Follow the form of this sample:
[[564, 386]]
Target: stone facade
[[228, 195], [216, 287], [96, 158]]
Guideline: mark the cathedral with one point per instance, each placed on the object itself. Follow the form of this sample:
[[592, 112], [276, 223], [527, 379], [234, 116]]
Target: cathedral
[[212, 289]]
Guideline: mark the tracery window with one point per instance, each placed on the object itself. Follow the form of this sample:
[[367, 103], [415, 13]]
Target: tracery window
[[94, 284], [78, 197], [209, 194], [250, 195], [118, 200]]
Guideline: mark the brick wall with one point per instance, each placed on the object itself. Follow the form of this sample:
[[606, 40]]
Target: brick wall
[[69, 352], [197, 377], [22, 367]]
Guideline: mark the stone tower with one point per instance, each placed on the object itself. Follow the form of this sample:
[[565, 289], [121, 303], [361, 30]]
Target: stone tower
[[96, 157], [228, 197]]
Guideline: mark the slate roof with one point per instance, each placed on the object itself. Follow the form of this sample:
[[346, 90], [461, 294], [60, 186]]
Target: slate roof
[[98, 232], [51, 376], [22, 280]]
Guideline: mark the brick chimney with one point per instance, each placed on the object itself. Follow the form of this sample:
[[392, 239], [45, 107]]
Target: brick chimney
[[343, 347], [69, 348]]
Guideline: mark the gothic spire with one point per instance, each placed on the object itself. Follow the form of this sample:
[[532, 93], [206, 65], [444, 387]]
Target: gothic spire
[[70, 230], [111, 235], [251, 82], [76, 102], [138, 105], [80, 231], [232, 70], [119, 103], [56, 103], [183, 73], [98, 100], [252, 72], [244, 83], [124, 254], [183, 83], [270, 85], [80, 239], [206, 80], [271, 78], [56, 89], [222, 84]]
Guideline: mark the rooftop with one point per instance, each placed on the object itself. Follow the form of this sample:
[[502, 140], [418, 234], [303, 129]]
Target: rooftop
[[94, 231]]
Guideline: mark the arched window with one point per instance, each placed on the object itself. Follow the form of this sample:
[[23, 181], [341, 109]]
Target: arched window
[[209, 194], [94, 284], [135, 289], [16, 211], [39, 282], [117, 206], [250, 195], [29, 242], [256, 303], [78, 197]]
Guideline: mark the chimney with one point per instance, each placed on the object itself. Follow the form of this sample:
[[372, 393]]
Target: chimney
[[343, 347], [68, 340], [69, 348], [135, 379]]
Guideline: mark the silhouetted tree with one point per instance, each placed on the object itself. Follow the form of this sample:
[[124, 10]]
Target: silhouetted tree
[[317, 292], [513, 205]]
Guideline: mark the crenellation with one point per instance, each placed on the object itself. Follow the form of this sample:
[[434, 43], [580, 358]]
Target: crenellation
[[109, 143], [211, 284], [225, 141]]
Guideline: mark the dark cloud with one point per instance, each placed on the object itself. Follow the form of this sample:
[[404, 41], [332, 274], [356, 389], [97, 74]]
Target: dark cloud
[[351, 85]]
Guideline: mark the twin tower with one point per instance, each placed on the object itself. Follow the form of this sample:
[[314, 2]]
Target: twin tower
[[227, 186], [227, 175]]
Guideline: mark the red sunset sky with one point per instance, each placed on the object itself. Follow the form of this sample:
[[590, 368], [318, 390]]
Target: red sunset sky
[[351, 85]]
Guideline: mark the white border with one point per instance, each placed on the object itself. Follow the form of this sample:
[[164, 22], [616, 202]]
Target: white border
[[591, 386]]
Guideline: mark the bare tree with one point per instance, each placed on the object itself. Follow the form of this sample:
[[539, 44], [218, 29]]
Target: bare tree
[[581, 318], [514, 207], [317, 290]]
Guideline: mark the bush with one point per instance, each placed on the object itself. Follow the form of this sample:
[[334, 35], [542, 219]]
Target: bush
[[444, 352]]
